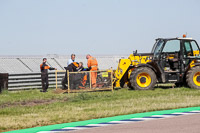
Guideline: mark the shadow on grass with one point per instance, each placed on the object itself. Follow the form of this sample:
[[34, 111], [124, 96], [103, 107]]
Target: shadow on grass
[[160, 86]]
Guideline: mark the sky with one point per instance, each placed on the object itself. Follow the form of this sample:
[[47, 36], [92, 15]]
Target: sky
[[97, 27]]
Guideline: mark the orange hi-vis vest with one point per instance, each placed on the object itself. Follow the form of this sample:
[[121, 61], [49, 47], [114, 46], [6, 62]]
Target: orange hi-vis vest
[[44, 68], [92, 62], [75, 64]]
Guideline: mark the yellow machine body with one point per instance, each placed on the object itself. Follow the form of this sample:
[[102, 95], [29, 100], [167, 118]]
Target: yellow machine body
[[124, 67], [172, 60]]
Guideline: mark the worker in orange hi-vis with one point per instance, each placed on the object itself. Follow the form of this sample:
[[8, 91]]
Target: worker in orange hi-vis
[[44, 74], [92, 66]]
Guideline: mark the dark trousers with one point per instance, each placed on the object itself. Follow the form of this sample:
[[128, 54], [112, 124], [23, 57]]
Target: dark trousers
[[65, 79], [72, 81], [45, 81]]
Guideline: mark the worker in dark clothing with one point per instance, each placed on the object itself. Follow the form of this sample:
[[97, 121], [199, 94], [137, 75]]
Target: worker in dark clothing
[[79, 79], [73, 67], [44, 75]]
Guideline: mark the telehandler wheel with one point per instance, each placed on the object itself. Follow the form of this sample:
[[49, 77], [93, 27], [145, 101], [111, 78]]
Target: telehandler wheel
[[143, 78], [193, 77]]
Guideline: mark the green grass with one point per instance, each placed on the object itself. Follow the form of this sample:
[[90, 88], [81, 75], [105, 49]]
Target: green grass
[[25, 109]]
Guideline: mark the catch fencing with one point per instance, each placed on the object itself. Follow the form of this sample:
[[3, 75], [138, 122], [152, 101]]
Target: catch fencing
[[87, 80], [76, 81]]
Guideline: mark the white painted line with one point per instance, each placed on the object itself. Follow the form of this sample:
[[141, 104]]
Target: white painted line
[[195, 111], [164, 116], [181, 113], [92, 125], [98, 125], [75, 128], [119, 121], [143, 119]]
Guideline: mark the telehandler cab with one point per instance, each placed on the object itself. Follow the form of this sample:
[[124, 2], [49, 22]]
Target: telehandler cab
[[172, 60]]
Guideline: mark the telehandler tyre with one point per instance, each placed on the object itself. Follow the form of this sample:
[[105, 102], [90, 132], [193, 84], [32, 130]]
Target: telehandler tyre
[[193, 77], [143, 78]]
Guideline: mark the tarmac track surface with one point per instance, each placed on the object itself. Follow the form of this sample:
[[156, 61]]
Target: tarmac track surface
[[178, 124]]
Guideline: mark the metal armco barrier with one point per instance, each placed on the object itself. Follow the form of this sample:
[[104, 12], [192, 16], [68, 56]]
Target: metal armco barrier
[[32, 81]]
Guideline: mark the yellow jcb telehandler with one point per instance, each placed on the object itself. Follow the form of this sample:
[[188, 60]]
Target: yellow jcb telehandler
[[172, 60]]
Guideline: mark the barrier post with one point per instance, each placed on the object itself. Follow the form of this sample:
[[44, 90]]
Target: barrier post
[[90, 80], [68, 81], [112, 78], [56, 79]]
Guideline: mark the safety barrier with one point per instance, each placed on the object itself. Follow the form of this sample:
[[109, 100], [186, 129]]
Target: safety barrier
[[32, 80], [87, 81], [24, 72]]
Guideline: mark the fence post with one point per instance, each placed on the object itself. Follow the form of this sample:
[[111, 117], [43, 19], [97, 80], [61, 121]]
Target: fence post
[[68, 81], [56, 79], [90, 80], [112, 78]]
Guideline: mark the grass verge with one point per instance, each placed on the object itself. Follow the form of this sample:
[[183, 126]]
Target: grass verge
[[25, 109]]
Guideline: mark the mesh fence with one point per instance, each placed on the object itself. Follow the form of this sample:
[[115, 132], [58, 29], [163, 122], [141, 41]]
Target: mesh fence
[[88, 81]]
